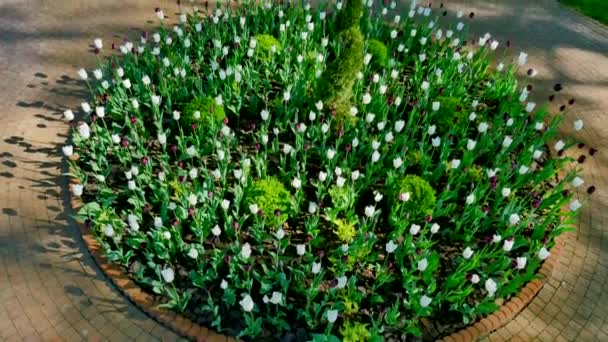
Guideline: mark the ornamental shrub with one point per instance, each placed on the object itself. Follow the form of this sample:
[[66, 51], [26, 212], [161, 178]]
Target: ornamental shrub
[[450, 109], [421, 199], [345, 230], [265, 45], [272, 198], [349, 16], [203, 110], [340, 75], [379, 53], [355, 332]]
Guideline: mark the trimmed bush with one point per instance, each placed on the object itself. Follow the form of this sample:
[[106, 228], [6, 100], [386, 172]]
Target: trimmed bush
[[379, 53], [204, 110], [271, 197], [265, 46], [421, 199]]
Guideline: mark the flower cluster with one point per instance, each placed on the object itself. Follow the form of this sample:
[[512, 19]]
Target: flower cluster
[[211, 167]]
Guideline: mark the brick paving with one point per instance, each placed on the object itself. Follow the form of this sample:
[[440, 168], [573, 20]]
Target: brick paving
[[51, 290], [568, 48]]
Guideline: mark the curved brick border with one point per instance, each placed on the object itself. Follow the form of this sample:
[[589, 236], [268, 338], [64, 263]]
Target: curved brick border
[[176, 322], [186, 328], [509, 310]]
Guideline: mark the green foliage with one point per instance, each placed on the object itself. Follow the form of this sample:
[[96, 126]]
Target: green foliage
[[345, 230], [271, 195], [414, 157], [421, 195], [265, 46], [350, 15], [355, 332], [476, 173], [339, 77], [379, 53], [203, 110], [596, 9], [449, 110]]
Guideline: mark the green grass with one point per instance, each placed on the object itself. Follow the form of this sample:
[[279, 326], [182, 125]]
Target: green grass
[[596, 9]]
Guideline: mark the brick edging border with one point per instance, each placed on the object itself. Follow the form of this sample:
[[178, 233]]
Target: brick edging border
[[144, 301], [186, 328], [509, 310]]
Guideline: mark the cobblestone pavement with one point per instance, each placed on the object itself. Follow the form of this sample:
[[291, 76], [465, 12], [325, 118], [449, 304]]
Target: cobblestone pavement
[[51, 290], [568, 48]]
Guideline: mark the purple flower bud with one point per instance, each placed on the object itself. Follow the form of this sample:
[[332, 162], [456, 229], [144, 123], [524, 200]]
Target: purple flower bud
[[536, 203], [87, 223], [194, 126], [113, 46], [125, 142], [307, 146], [277, 213], [228, 258], [235, 225], [257, 147], [210, 194], [486, 209], [321, 254], [133, 120], [182, 179], [96, 50], [173, 148], [226, 121], [348, 148], [190, 212], [566, 193], [145, 161], [429, 218], [92, 118], [560, 153], [175, 223], [249, 268]]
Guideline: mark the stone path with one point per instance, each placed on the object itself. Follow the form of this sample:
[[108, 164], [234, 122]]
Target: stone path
[[567, 48], [51, 290]]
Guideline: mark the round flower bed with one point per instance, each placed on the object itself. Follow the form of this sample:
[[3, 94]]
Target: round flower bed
[[325, 174]]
